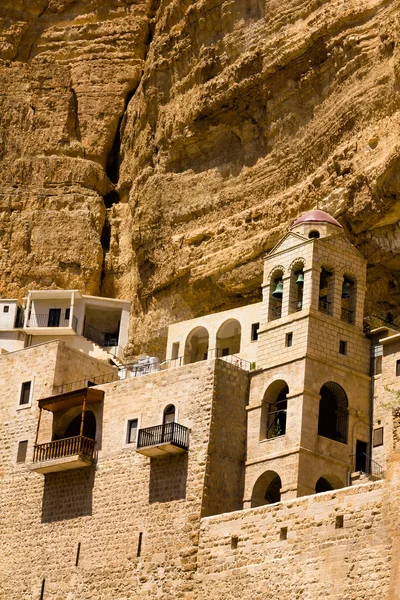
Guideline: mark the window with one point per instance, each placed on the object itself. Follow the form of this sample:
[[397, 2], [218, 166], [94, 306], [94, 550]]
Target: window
[[376, 359], [132, 431], [283, 534], [67, 313], [377, 437], [342, 347], [339, 522], [313, 234], [25, 393], [22, 449], [289, 339], [169, 414], [333, 412], [276, 425], [6, 309], [397, 368], [254, 331], [225, 352]]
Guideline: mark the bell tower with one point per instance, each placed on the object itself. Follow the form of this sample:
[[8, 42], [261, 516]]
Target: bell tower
[[310, 396]]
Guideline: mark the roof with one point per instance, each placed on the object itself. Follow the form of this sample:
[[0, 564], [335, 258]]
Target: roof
[[71, 399], [317, 216]]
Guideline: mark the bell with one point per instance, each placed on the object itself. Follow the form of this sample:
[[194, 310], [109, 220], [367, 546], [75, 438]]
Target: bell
[[300, 278], [346, 290], [278, 291]]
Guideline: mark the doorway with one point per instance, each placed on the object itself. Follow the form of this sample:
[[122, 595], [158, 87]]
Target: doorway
[[54, 317]]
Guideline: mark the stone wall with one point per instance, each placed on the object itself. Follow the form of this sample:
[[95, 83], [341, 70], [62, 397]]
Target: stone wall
[[127, 496], [300, 549]]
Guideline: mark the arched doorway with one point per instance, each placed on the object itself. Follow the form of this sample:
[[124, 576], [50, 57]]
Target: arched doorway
[[196, 346], [274, 410], [328, 483], [267, 489], [333, 412], [89, 426], [229, 337]]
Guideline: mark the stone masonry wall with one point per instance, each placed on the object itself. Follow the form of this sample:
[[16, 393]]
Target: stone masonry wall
[[244, 554], [105, 509]]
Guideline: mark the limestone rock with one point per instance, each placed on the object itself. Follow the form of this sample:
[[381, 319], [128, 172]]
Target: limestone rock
[[155, 150]]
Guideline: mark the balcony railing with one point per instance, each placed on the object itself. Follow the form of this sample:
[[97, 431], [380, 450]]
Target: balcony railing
[[168, 433], [324, 306], [44, 321], [346, 315], [364, 463], [63, 448], [103, 339], [276, 312]]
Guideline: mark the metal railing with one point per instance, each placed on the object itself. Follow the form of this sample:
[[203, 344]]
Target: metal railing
[[346, 315], [38, 320], [276, 312], [100, 338], [129, 370], [171, 433], [211, 353], [364, 463], [87, 382], [296, 305], [65, 447], [324, 306]]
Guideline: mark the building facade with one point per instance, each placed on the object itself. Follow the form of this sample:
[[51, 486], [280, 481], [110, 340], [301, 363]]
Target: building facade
[[261, 458]]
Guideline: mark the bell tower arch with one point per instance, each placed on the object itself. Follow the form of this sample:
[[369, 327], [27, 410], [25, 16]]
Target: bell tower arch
[[310, 336]]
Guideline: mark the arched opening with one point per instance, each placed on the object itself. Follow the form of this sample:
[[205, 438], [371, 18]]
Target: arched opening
[[276, 295], [333, 412], [326, 291], [169, 414], [228, 338], [274, 410], [296, 287], [348, 301], [328, 483], [314, 234], [267, 489], [196, 347], [89, 426]]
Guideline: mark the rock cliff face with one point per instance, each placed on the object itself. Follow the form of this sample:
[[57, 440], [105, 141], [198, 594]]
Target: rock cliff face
[[154, 150]]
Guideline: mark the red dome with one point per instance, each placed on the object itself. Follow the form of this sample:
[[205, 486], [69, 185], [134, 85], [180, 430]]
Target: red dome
[[317, 216]]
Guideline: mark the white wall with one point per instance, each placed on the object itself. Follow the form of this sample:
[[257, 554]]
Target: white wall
[[7, 319]]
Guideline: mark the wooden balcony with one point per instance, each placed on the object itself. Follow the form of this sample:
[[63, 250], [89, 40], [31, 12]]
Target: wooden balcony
[[68, 452], [63, 455], [169, 438]]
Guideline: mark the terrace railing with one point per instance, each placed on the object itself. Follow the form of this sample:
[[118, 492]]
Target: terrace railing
[[62, 448], [346, 315], [324, 306], [39, 320], [171, 433]]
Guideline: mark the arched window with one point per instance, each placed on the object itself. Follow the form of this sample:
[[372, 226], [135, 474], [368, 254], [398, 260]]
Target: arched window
[[267, 489], [169, 414], [326, 291], [274, 410], [89, 426], [228, 338], [276, 295], [328, 483], [348, 304], [196, 347], [296, 287], [314, 234], [333, 412]]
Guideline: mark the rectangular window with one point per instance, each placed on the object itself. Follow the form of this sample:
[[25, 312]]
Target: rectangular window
[[67, 313], [6, 308], [225, 352], [254, 331], [25, 392], [397, 368], [377, 439], [132, 431], [343, 347], [289, 339], [22, 449]]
